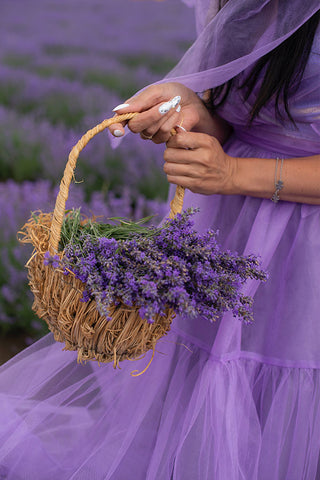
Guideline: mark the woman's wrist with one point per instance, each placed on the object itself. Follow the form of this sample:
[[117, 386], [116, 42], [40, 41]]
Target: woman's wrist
[[298, 178], [252, 176]]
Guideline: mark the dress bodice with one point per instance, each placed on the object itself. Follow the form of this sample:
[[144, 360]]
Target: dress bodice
[[274, 134]]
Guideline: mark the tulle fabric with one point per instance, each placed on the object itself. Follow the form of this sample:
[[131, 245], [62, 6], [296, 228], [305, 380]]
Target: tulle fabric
[[236, 36], [190, 416]]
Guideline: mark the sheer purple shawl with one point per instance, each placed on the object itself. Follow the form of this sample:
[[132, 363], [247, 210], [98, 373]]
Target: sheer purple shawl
[[234, 37]]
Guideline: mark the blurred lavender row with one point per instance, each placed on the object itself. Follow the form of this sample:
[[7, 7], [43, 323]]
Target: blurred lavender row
[[63, 67]]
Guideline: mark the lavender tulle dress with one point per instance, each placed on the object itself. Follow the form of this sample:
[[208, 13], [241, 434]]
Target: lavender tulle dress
[[222, 401]]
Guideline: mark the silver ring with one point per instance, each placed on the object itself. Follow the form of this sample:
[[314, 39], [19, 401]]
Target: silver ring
[[146, 137]]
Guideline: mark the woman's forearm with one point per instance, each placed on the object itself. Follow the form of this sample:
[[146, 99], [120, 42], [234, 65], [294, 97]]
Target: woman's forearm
[[256, 177]]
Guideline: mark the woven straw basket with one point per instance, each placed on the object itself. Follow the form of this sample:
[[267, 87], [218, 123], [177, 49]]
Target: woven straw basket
[[57, 297]]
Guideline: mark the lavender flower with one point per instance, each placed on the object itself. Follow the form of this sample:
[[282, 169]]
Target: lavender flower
[[51, 260], [173, 267]]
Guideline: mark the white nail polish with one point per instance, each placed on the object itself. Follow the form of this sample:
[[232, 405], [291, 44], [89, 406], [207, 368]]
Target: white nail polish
[[118, 133], [165, 108], [183, 129], [122, 105], [175, 101], [178, 109]]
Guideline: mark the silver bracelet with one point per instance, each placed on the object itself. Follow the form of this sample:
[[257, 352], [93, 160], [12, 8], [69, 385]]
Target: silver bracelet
[[278, 185]]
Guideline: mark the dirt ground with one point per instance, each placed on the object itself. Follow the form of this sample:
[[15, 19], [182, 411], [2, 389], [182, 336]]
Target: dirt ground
[[10, 346]]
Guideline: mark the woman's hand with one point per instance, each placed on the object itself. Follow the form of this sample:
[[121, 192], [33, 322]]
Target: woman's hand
[[152, 123], [197, 161]]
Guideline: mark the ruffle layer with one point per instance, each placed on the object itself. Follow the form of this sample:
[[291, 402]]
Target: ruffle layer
[[188, 417]]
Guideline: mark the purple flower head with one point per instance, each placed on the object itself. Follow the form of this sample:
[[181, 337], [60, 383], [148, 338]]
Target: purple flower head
[[52, 260]]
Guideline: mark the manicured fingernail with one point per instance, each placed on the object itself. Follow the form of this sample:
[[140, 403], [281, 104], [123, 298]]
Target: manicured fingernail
[[167, 106], [178, 109], [175, 101], [118, 133], [122, 105]]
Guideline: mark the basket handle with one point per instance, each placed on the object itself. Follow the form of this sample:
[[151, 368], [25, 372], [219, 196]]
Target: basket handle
[[59, 209]]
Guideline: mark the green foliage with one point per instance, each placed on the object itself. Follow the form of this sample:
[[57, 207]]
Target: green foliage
[[9, 92], [60, 50], [75, 225], [93, 182], [122, 85], [59, 108], [20, 157], [154, 183], [155, 64], [16, 298], [17, 60]]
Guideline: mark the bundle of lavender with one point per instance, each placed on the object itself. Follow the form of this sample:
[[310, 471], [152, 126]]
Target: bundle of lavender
[[155, 268]]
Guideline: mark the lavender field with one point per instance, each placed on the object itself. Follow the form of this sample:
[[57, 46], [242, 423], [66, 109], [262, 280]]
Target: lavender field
[[64, 64]]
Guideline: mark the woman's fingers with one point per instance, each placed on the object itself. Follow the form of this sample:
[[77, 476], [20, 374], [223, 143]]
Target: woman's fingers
[[151, 124], [151, 96], [154, 108], [153, 119], [192, 184], [190, 140], [180, 170], [162, 131], [197, 161], [117, 129]]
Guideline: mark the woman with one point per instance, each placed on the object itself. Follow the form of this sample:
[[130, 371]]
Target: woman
[[224, 401]]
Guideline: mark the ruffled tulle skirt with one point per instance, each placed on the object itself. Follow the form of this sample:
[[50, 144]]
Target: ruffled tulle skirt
[[190, 417]]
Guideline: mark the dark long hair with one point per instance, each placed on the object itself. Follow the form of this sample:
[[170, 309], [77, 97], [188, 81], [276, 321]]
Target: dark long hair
[[283, 69]]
